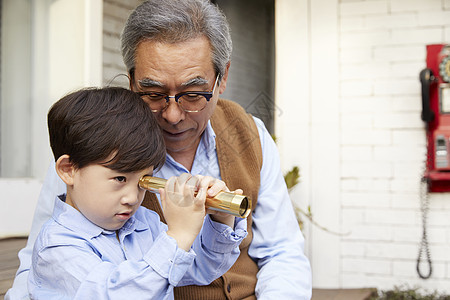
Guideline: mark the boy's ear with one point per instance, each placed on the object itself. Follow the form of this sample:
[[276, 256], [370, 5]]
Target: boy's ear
[[65, 169]]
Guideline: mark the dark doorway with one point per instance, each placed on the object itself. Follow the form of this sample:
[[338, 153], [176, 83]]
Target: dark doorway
[[252, 71]]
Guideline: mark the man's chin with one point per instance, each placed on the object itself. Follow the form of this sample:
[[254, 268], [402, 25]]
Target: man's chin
[[181, 148], [175, 148]]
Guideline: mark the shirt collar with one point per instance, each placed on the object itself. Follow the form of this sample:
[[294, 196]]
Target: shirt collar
[[209, 138]]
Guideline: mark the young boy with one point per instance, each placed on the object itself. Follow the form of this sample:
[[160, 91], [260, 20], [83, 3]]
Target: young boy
[[99, 243]]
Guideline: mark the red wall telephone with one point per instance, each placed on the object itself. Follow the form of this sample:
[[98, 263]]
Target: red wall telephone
[[435, 81]]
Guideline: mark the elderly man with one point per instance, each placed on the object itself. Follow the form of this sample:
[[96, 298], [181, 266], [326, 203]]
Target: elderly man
[[177, 53]]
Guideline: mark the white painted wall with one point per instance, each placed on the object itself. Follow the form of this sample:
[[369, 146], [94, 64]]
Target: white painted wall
[[15, 89], [307, 94], [65, 54]]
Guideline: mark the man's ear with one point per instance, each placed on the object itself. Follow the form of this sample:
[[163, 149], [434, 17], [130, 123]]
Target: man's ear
[[223, 81], [65, 169]]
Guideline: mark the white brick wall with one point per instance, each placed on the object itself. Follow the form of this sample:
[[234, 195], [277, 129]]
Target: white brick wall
[[382, 50]]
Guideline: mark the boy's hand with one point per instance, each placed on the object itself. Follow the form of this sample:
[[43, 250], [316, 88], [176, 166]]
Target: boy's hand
[[213, 186], [183, 212]]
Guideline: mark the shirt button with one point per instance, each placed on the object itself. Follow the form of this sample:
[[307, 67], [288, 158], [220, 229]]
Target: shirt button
[[229, 288]]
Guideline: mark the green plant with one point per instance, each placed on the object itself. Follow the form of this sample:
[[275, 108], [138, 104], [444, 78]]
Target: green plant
[[405, 293], [292, 178]]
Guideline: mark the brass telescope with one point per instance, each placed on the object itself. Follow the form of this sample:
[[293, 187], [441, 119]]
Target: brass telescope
[[237, 205]]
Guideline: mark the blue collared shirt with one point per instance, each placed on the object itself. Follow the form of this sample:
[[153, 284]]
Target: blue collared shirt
[[75, 259], [277, 244]]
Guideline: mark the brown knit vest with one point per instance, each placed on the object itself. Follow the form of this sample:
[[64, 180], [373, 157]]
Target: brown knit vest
[[240, 160]]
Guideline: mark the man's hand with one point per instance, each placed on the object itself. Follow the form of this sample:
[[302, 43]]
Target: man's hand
[[213, 186]]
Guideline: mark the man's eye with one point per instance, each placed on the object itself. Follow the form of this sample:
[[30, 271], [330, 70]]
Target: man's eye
[[153, 97], [121, 178], [191, 97]]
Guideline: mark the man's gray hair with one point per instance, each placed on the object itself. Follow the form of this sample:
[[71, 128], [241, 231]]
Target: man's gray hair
[[173, 21]]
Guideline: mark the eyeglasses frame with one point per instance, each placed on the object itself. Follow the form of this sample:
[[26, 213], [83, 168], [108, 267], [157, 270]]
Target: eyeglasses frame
[[207, 95]]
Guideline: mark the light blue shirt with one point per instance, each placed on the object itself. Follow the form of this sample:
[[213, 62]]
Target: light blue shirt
[[277, 245], [75, 259]]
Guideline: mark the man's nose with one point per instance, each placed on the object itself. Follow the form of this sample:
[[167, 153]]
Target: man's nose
[[173, 113]]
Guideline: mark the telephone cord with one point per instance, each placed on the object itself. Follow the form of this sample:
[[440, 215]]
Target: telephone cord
[[424, 247]]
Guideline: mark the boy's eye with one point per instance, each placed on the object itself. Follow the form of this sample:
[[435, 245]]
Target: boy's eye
[[121, 178]]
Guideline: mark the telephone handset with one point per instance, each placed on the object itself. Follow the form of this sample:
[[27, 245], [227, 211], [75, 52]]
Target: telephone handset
[[435, 80], [426, 78]]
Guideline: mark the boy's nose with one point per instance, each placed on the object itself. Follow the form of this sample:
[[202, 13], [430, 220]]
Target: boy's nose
[[133, 196]]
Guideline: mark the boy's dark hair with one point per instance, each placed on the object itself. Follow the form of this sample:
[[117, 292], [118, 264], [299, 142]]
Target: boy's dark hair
[[91, 125]]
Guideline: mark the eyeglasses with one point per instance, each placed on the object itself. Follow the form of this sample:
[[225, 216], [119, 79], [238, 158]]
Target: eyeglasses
[[188, 101]]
